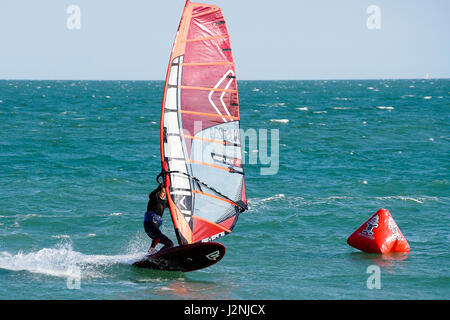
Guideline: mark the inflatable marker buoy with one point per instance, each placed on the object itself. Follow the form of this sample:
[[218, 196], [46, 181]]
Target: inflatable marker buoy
[[379, 234]]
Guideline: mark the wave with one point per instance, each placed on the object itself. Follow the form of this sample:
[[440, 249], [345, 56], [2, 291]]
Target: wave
[[116, 214], [297, 201], [275, 197], [279, 104], [385, 108], [420, 200], [61, 236], [257, 202], [280, 120]]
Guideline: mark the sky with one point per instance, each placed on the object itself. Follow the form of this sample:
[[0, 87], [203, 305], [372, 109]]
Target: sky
[[272, 40]]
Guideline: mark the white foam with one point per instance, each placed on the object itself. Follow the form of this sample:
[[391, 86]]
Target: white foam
[[303, 108], [263, 202], [61, 236], [385, 108], [338, 198], [420, 200], [62, 261], [275, 197], [427, 98], [279, 120]]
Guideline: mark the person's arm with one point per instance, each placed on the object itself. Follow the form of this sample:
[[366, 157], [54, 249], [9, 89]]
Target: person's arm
[[151, 199], [152, 194]]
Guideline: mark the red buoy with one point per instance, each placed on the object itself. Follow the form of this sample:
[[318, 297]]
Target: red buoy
[[379, 234]]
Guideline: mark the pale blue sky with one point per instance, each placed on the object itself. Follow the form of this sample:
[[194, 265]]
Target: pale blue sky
[[283, 39]]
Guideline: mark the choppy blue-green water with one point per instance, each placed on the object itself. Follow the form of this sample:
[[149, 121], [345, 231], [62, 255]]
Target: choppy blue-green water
[[78, 159]]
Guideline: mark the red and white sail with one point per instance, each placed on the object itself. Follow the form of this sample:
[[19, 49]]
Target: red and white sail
[[200, 137]]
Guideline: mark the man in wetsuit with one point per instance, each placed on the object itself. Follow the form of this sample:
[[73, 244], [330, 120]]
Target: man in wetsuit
[[153, 218]]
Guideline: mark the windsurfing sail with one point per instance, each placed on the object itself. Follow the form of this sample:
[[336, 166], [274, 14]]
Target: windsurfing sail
[[200, 129]]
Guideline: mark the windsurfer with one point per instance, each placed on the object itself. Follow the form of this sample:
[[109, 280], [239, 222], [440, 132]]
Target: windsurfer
[[153, 218]]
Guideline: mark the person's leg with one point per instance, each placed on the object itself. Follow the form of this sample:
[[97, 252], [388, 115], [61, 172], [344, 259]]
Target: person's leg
[[155, 242], [152, 232], [166, 242], [157, 236]]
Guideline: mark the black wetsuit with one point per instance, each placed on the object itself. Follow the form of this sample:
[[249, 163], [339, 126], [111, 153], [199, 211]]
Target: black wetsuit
[[153, 220]]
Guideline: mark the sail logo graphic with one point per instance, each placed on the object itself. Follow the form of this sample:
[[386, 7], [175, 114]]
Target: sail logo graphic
[[234, 162], [183, 202], [228, 75], [213, 256]]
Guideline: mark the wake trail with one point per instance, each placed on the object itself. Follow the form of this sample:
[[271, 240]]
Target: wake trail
[[63, 261]]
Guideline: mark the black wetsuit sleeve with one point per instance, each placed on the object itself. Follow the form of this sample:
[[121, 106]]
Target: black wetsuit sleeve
[[151, 200]]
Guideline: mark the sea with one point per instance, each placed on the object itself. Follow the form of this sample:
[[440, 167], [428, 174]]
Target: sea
[[79, 158]]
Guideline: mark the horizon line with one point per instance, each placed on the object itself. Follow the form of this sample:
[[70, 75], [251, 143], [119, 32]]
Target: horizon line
[[162, 80]]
